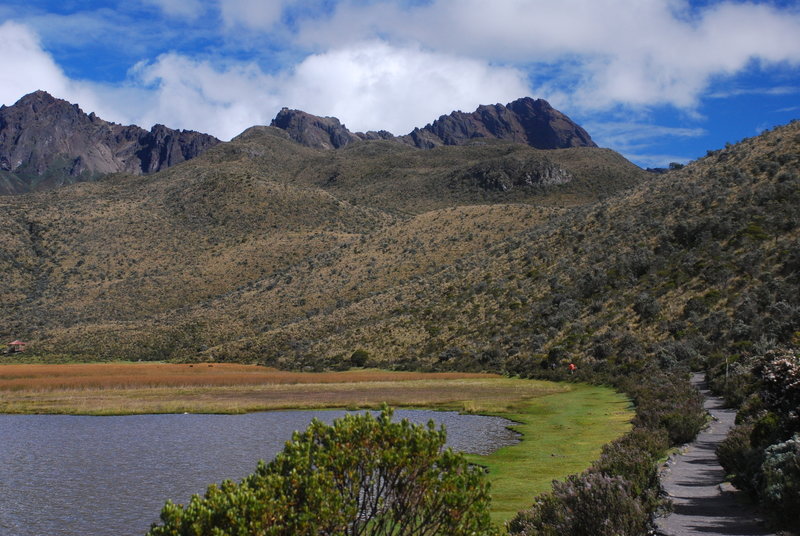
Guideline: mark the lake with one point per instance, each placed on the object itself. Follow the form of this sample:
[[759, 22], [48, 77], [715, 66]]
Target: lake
[[101, 476]]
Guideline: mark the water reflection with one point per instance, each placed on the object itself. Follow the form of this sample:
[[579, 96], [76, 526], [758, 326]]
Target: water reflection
[[98, 476]]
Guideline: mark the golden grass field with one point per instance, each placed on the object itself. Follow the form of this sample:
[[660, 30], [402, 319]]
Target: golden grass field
[[124, 388]]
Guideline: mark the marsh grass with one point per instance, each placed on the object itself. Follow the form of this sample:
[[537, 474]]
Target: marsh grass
[[138, 375], [113, 389], [562, 434]]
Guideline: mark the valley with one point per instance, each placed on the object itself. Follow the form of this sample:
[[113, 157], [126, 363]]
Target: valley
[[274, 251]]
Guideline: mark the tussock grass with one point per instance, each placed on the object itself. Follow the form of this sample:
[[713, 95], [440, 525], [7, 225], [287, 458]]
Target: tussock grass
[[139, 376]]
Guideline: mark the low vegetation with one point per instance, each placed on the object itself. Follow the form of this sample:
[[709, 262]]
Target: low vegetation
[[762, 453], [620, 493], [362, 476], [113, 389]]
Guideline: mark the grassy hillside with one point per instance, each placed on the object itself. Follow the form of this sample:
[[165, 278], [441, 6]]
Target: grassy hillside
[[260, 233], [693, 262]]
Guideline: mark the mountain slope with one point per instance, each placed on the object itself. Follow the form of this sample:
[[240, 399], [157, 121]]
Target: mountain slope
[[128, 264], [695, 262], [47, 142]]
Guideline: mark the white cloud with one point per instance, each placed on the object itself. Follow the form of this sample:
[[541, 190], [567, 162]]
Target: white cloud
[[368, 86], [630, 133], [377, 86], [196, 95], [776, 91], [613, 52], [634, 139], [26, 67]]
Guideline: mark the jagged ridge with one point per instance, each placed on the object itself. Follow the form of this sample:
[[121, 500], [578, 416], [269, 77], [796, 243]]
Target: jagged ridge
[[528, 121], [47, 142]]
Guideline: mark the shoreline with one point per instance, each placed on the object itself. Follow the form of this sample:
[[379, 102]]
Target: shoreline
[[562, 427]]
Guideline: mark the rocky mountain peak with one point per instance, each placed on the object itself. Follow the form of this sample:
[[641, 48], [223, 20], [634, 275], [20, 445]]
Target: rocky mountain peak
[[313, 131], [530, 121], [47, 142]]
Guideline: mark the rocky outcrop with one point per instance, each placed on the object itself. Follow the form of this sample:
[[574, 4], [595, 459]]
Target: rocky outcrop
[[507, 173], [47, 142], [320, 132], [528, 121]]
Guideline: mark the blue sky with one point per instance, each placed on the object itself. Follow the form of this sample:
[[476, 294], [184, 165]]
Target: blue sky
[[657, 80]]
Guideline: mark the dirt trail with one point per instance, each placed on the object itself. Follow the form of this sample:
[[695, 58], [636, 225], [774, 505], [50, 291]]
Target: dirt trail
[[693, 480]]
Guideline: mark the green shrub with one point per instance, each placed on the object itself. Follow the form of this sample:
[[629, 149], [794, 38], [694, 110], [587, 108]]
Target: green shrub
[[362, 475], [591, 504], [779, 487], [669, 402], [634, 458], [359, 358], [736, 455]]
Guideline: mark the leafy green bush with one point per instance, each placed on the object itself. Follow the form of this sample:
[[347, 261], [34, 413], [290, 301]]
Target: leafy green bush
[[736, 455], [780, 480], [361, 476], [669, 402], [634, 457], [359, 358], [590, 504]]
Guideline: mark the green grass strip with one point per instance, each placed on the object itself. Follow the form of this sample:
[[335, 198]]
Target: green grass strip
[[563, 433]]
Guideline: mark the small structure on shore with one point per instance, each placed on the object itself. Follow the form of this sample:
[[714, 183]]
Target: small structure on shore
[[16, 346]]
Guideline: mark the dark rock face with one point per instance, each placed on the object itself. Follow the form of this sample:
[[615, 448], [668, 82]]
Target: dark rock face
[[47, 142], [508, 173], [528, 121], [313, 131], [321, 132]]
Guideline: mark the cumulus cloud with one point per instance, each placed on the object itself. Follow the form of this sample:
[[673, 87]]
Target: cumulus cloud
[[377, 86], [196, 95], [598, 53], [26, 67], [368, 86]]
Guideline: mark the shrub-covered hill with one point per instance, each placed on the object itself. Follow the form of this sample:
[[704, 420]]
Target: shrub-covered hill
[[166, 265], [695, 262]]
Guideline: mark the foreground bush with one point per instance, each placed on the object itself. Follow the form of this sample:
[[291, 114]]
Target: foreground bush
[[762, 453], [361, 476], [779, 488], [591, 504], [736, 454]]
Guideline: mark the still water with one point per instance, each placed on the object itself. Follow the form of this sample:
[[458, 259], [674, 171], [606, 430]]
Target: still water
[[103, 476]]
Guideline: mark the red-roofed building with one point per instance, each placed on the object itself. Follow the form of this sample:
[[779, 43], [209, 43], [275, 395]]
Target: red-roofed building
[[16, 346]]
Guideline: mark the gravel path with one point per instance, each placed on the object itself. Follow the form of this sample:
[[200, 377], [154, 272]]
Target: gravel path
[[693, 479]]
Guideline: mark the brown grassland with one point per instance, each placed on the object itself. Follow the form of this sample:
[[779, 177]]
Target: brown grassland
[[125, 388]]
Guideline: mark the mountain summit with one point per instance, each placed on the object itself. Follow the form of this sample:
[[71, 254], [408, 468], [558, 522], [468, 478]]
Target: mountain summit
[[528, 121], [47, 142]]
